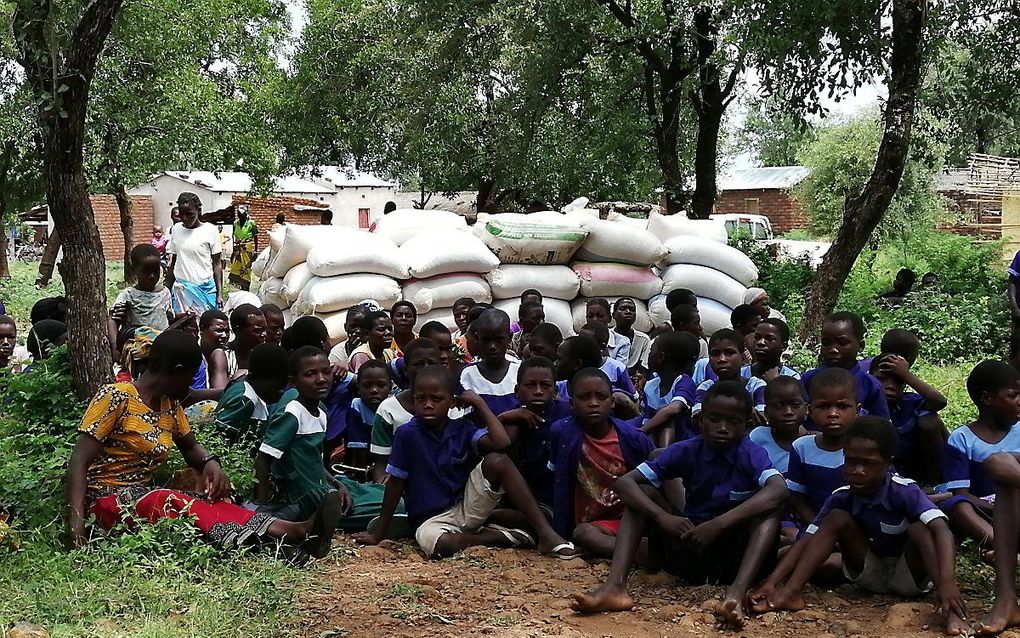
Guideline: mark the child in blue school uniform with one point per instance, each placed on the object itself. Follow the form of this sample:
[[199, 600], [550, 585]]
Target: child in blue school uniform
[[373, 386], [771, 339], [668, 396], [493, 377], [530, 425], [733, 500], [452, 477], [589, 451], [785, 411], [816, 460], [994, 387], [619, 377], [892, 538], [578, 353], [915, 414], [725, 354], [842, 341]]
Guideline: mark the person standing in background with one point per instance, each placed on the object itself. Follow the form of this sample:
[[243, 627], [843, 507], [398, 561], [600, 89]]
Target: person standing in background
[[246, 246], [195, 274]]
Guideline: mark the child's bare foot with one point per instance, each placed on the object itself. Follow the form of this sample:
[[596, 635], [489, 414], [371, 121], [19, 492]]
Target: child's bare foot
[[782, 600], [956, 626], [1004, 614], [605, 598], [730, 612]]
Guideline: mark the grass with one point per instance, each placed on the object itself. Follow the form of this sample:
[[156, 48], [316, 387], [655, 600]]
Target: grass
[[19, 292]]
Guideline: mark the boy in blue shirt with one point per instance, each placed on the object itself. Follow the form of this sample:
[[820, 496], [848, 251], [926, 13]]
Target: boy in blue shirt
[[725, 349], [994, 387], [373, 386], [733, 499], [452, 477], [589, 451], [771, 339], [892, 538], [493, 377], [669, 395], [816, 460], [915, 414], [785, 411], [617, 372], [842, 342], [578, 353]]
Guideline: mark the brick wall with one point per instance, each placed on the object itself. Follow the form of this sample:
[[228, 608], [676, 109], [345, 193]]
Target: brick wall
[[108, 221], [263, 210], [779, 206]]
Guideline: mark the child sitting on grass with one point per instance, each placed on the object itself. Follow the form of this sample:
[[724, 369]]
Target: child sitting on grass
[[373, 386], [915, 414], [290, 457], [816, 460], [733, 499], [493, 377], [725, 358], [771, 339], [899, 342], [842, 342], [994, 387], [544, 342], [891, 537], [617, 372], [618, 348], [243, 410], [589, 451], [452, 477], [669, 395]]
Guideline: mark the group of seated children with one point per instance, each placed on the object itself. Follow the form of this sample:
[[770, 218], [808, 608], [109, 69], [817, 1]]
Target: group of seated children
[[508, 435]]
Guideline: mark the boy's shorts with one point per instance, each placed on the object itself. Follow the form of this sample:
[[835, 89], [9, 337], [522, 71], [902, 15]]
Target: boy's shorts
[[886, 575], [469, 514]]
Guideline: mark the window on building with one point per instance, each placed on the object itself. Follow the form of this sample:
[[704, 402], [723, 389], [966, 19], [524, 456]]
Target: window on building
[[363, 218], [751, 205]]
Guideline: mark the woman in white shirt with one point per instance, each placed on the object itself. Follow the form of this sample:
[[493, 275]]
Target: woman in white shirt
[[195, 274]]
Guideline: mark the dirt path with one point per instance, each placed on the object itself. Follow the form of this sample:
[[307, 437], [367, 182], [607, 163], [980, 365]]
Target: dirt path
[[393, 592]]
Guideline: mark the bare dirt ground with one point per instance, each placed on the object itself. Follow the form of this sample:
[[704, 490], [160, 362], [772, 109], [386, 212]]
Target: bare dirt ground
[[392, 592]]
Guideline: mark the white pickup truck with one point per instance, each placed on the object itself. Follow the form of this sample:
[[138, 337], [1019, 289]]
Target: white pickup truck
[[759, 228]]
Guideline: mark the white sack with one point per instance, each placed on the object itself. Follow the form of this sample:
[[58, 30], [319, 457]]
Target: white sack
[[299, 240], [443, 290], [335, 325], [704, 282], [405, 223], [239, 298], [616, 280], [666, 226], [714, 315], [687, 249], [522, 239], [621, 243], [361, 252], [442, 315], [258, 267], [440, 252], [509, 281], [295, 281], [271, 291], [325, 295], [579, 312], [557, 312]]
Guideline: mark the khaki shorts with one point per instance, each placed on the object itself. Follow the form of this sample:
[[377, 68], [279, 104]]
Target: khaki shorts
[[465, 516], [887, 575]]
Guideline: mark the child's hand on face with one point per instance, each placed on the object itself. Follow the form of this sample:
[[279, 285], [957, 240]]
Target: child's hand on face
[[758, 418], [895, 365], [523, 416], [469, 399], [624, 406]]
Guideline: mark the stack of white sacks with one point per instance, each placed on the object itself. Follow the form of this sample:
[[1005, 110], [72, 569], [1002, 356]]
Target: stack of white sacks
[[432, 258]]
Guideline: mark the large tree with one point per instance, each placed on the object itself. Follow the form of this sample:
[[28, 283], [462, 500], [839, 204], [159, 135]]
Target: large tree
[[905, 55], [59, 48]]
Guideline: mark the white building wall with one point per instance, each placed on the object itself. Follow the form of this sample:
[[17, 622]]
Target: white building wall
[[350, 199]]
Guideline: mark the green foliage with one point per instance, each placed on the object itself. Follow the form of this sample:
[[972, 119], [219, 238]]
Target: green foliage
[[19, 292], [775, 133], [782, 279], [841, 160]]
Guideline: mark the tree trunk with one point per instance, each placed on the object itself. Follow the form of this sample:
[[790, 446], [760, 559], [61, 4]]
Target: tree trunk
[[60, 81], [6, 157], [676, 195], [48, 262], [127, 228], [486, 195], [706, 154], [865, 210]]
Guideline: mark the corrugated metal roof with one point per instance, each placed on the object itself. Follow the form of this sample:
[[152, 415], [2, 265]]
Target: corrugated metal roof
[[952, 179], [771, 178], [237, 182], [345, 177]]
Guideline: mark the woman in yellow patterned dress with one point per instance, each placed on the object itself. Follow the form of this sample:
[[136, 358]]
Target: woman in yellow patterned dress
[[125, 438], [246, 246]]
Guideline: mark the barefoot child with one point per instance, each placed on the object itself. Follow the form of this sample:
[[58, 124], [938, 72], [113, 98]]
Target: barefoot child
[[725, 356], [373, 386], [669, 395], [915, 414], [544, 342], [290, 457], [816, 460], [994, 387], [891, 537], [452, 477], [243, 410], [771, 339], [619, 347], [589, 451], [1004, 469], [842, 342], [494, 377], [733, 498]]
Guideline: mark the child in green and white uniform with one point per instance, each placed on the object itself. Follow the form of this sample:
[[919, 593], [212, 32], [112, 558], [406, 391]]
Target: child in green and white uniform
[[243, 410]]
